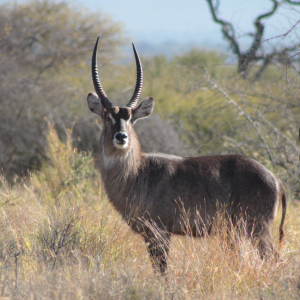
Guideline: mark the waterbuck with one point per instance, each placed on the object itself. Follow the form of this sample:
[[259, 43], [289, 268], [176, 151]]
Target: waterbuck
[[152, 190]]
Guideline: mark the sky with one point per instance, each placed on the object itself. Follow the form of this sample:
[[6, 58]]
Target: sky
[[190, 20], [186, 22]]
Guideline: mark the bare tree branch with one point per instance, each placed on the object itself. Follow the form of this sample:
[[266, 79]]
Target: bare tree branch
[[227, 29], [293, 2], [281, 35], [251, 56], [248, 117], [260, 30]]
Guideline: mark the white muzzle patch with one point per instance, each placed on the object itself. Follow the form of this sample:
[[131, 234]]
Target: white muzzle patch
[[121, 140], [119, 145]]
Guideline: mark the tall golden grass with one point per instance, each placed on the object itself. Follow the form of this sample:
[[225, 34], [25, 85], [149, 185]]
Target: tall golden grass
[[61, 239]]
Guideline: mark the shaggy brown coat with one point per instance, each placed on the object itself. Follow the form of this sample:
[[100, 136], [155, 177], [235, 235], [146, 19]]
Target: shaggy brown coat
[[157, 192]]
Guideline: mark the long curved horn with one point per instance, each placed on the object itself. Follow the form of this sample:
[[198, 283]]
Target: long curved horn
[[139, 81], [98, 88]]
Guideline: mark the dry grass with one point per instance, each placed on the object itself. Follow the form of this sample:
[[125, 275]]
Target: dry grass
[[61, 239]]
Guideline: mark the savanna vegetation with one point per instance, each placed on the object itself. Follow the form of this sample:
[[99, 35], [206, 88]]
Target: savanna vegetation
[[59, 237]]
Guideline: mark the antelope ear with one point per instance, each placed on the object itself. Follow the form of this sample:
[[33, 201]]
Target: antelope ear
[[144, 110], [95, 104]]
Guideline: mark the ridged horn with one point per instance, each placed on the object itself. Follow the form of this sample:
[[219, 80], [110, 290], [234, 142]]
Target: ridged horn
[[139, 81], [98, 88]]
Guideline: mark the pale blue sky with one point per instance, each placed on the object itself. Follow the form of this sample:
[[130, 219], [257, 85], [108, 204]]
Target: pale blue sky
[[190, 20], [183, 21]]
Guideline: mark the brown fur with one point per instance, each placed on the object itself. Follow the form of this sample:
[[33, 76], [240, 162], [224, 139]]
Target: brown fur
[[158, 190]]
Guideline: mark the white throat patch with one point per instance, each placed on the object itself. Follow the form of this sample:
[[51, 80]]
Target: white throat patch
[[110, 161]]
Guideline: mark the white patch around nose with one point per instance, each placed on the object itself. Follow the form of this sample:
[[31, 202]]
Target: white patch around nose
[[118, 145]]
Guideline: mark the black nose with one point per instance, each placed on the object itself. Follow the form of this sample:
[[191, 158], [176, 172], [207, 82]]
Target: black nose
[[121, 136]]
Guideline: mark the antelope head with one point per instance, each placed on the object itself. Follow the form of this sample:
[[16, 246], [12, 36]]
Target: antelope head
[[118, 121]]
